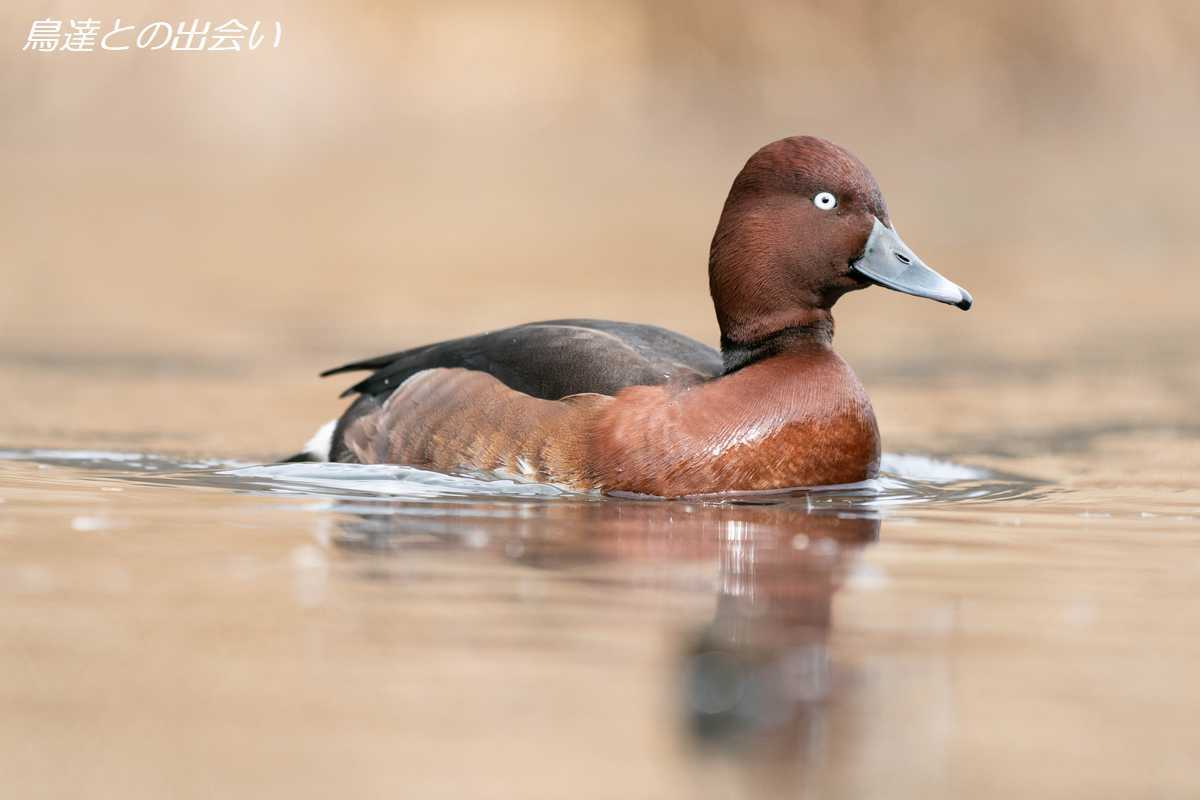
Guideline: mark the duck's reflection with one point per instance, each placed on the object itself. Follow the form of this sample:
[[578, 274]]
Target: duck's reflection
[[759, 673], [761, 670]]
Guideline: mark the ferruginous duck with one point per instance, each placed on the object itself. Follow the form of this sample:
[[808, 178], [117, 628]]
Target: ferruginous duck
[[618, 407]]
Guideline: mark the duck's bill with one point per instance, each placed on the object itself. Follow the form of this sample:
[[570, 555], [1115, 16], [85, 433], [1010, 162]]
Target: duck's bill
[[888, 262]]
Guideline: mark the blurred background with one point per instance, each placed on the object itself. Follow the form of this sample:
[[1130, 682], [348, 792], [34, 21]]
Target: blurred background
[[186, 239], [224, 225]]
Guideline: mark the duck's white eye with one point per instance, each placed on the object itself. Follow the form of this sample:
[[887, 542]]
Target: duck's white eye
[[824, 201]]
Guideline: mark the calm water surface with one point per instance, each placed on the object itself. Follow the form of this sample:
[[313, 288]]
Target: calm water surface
[[989, 624]]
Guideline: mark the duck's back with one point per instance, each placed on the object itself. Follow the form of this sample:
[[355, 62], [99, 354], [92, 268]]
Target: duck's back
[[546, 360]]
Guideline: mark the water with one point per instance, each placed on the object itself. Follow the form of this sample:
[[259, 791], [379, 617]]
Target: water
[[191, 627]]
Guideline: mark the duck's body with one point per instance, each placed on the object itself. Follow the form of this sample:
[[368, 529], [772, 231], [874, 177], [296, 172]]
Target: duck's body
[[619, 407], [615, 407]]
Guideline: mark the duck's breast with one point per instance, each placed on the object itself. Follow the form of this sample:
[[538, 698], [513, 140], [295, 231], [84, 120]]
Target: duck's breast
[[794, 420]]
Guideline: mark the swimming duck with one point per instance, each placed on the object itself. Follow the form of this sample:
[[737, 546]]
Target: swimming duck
[[619, 408]]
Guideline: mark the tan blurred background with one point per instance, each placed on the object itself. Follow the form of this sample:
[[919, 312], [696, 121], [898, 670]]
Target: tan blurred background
[[187, 238]]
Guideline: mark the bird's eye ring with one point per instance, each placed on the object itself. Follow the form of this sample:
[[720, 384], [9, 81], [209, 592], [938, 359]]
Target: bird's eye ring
[[824, 201]]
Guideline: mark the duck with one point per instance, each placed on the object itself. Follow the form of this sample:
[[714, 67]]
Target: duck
[[629, 409]]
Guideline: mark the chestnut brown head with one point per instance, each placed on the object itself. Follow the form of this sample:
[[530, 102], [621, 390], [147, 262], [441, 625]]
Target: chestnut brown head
[[805, 223]]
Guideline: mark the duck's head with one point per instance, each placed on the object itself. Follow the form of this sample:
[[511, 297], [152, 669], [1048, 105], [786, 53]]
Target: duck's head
[[805, 223]]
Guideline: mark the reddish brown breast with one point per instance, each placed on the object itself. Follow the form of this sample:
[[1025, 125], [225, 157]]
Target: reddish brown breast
[[800, 418]]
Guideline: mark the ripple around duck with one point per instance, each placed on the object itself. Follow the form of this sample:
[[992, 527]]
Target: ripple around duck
[[905, 480]]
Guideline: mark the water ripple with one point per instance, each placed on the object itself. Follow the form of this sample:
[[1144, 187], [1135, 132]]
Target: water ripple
[[906, 479]]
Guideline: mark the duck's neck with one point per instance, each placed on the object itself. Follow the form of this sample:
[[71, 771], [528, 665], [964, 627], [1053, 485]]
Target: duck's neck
[[817, 333]]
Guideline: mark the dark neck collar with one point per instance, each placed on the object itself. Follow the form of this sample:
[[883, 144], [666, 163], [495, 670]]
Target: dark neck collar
[[738, 355]]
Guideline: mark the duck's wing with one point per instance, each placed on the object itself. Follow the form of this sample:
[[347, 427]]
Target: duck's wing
[[551, 360], [542, 360]]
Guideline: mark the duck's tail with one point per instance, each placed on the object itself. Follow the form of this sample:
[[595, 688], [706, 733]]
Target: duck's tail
[[300, 458], [318, 447]]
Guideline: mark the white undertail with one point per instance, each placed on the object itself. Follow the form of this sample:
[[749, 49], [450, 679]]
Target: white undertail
[[321, 442]]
